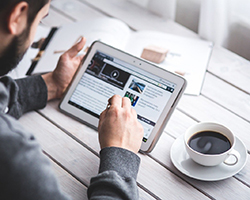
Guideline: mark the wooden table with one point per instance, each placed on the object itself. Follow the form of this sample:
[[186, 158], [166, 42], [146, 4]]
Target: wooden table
[[73, 147]]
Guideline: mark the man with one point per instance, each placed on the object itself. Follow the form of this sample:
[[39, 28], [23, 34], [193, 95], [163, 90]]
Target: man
[[25, 172]]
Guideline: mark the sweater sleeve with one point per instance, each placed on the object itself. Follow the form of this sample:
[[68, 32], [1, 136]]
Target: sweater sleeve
[[30, 94], [23, 95], [117, 175], [25, 172]]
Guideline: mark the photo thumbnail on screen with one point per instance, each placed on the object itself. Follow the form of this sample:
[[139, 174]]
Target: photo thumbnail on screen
[[136, 86], [133, 98]]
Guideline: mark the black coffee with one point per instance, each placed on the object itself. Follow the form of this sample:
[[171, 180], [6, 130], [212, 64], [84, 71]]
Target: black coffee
[[209, 142]]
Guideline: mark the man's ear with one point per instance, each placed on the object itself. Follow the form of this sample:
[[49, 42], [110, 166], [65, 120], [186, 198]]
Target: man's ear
[[17, 19]]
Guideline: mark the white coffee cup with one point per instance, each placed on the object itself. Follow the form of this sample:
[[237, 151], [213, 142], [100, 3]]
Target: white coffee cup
[[229, 157]]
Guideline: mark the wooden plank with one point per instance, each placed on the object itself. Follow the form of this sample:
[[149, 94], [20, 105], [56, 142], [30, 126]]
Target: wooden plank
[[227, 96], [177, 126], [230, 188], [72, 187], [78, 160], [231, 68], [68, 184], [152, 176], [177, 117], [62, 147], [202, 109]]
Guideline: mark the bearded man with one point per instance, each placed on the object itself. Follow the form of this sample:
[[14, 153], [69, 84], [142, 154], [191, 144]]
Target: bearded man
[[25, 172]]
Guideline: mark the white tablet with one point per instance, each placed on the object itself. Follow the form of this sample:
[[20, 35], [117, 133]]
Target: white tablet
[[106, 71]]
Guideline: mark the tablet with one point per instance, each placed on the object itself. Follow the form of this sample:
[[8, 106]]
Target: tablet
[[106, 71]]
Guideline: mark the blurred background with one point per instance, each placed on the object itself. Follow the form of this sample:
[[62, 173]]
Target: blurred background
[[224, 22]]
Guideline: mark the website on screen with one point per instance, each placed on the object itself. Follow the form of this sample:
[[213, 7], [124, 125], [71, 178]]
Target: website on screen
[[107, 76]]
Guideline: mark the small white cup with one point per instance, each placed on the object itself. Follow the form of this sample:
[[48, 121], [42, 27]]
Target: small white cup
[[229, 157]]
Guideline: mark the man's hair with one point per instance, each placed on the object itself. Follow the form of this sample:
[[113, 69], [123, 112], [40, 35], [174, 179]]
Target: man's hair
[[34, 7]]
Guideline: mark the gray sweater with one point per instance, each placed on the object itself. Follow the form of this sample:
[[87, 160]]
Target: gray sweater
[[25, 172]]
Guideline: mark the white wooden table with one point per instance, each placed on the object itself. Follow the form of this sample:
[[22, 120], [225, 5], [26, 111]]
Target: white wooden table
[[73, 147]]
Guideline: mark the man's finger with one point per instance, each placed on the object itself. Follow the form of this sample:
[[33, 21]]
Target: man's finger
[[133, 112], [126, 102], [80, 57], [115, 100], [74, 50], [102, 116]]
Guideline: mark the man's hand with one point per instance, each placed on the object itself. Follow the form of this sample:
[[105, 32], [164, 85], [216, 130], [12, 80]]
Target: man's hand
[[58, 80], [119, 127]]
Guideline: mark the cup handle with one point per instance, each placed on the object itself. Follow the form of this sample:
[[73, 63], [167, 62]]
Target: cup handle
[[236, 156]]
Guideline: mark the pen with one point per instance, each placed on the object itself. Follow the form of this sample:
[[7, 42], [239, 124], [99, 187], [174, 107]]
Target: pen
[[40, 53]]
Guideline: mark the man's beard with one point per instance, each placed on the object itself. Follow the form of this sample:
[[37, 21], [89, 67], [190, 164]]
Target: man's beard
[[14, 53]]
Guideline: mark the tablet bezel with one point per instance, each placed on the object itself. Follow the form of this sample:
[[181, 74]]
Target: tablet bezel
[[92, 121]]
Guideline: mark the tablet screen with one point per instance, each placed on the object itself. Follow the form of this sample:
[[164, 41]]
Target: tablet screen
[[106, 76]]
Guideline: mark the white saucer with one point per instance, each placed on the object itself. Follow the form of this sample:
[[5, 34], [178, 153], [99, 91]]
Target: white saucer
[[187, 166]]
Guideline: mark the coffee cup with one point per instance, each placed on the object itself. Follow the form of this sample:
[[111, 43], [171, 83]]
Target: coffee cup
[[210, 144]]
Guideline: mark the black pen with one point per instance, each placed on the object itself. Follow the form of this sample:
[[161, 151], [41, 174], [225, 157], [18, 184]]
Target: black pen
[[40, 53]]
